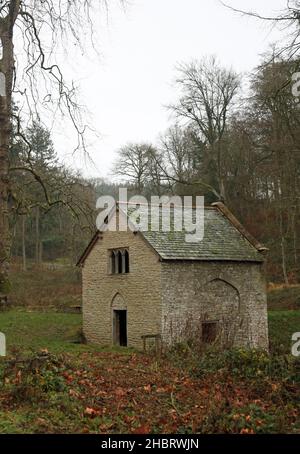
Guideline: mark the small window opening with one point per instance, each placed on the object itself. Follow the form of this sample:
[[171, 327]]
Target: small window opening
[[112, 262], [119, 261], [209, 332], [126, 262]]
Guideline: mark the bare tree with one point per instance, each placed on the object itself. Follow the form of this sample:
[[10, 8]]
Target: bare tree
[[207, 94], [263, 162], [39, 28], [178, 157], [134, 163], [156, 181], [289, 21], [177, 149]]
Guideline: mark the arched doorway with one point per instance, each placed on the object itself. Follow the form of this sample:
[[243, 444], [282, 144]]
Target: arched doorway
[[119, 321]]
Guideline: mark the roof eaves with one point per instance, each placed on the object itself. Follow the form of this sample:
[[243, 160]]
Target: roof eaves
[[97, 236], [233, 220], [210, 259]]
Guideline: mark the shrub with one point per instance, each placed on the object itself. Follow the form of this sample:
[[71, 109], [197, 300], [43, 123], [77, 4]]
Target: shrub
[[31, 377], [249, 419], [240, 363]]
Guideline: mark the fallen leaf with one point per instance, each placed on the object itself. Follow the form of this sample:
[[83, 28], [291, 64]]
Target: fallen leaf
[[142, 430], [92, 412], [120, 392]]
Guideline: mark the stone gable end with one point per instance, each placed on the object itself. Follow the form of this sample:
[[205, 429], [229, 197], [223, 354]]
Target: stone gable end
[[140, 289]]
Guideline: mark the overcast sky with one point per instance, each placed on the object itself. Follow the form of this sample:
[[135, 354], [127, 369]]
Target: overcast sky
[[127, 87]]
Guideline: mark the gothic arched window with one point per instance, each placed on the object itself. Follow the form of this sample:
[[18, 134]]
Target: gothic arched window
[[119, 261]]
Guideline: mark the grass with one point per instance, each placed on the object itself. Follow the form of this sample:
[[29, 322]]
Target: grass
[[57, 332], [282, 325], [284, 298], [45, 288], [54, 331], [60, 332]]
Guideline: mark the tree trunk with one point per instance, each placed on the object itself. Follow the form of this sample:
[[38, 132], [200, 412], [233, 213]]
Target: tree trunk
[[24, 243], [283, 252], [37, 235], [283, 262], [41, 253], [6, 82], [220, 173]]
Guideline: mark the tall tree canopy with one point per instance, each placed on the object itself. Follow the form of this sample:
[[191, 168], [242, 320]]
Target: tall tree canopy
[[31, 34]]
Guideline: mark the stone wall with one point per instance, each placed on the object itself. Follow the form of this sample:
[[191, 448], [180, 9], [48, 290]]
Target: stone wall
[[171, 298], [231, 294], [139, 291]]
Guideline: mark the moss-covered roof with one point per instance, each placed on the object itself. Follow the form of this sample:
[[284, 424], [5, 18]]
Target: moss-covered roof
[[225, 239], [222, 241]]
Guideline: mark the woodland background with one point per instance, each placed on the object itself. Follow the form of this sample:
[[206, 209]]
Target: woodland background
[[227, 142]]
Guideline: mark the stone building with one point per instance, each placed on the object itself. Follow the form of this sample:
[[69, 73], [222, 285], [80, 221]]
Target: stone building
[[139, 285]]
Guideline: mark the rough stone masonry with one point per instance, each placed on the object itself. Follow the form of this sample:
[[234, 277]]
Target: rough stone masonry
[[214, 291]]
